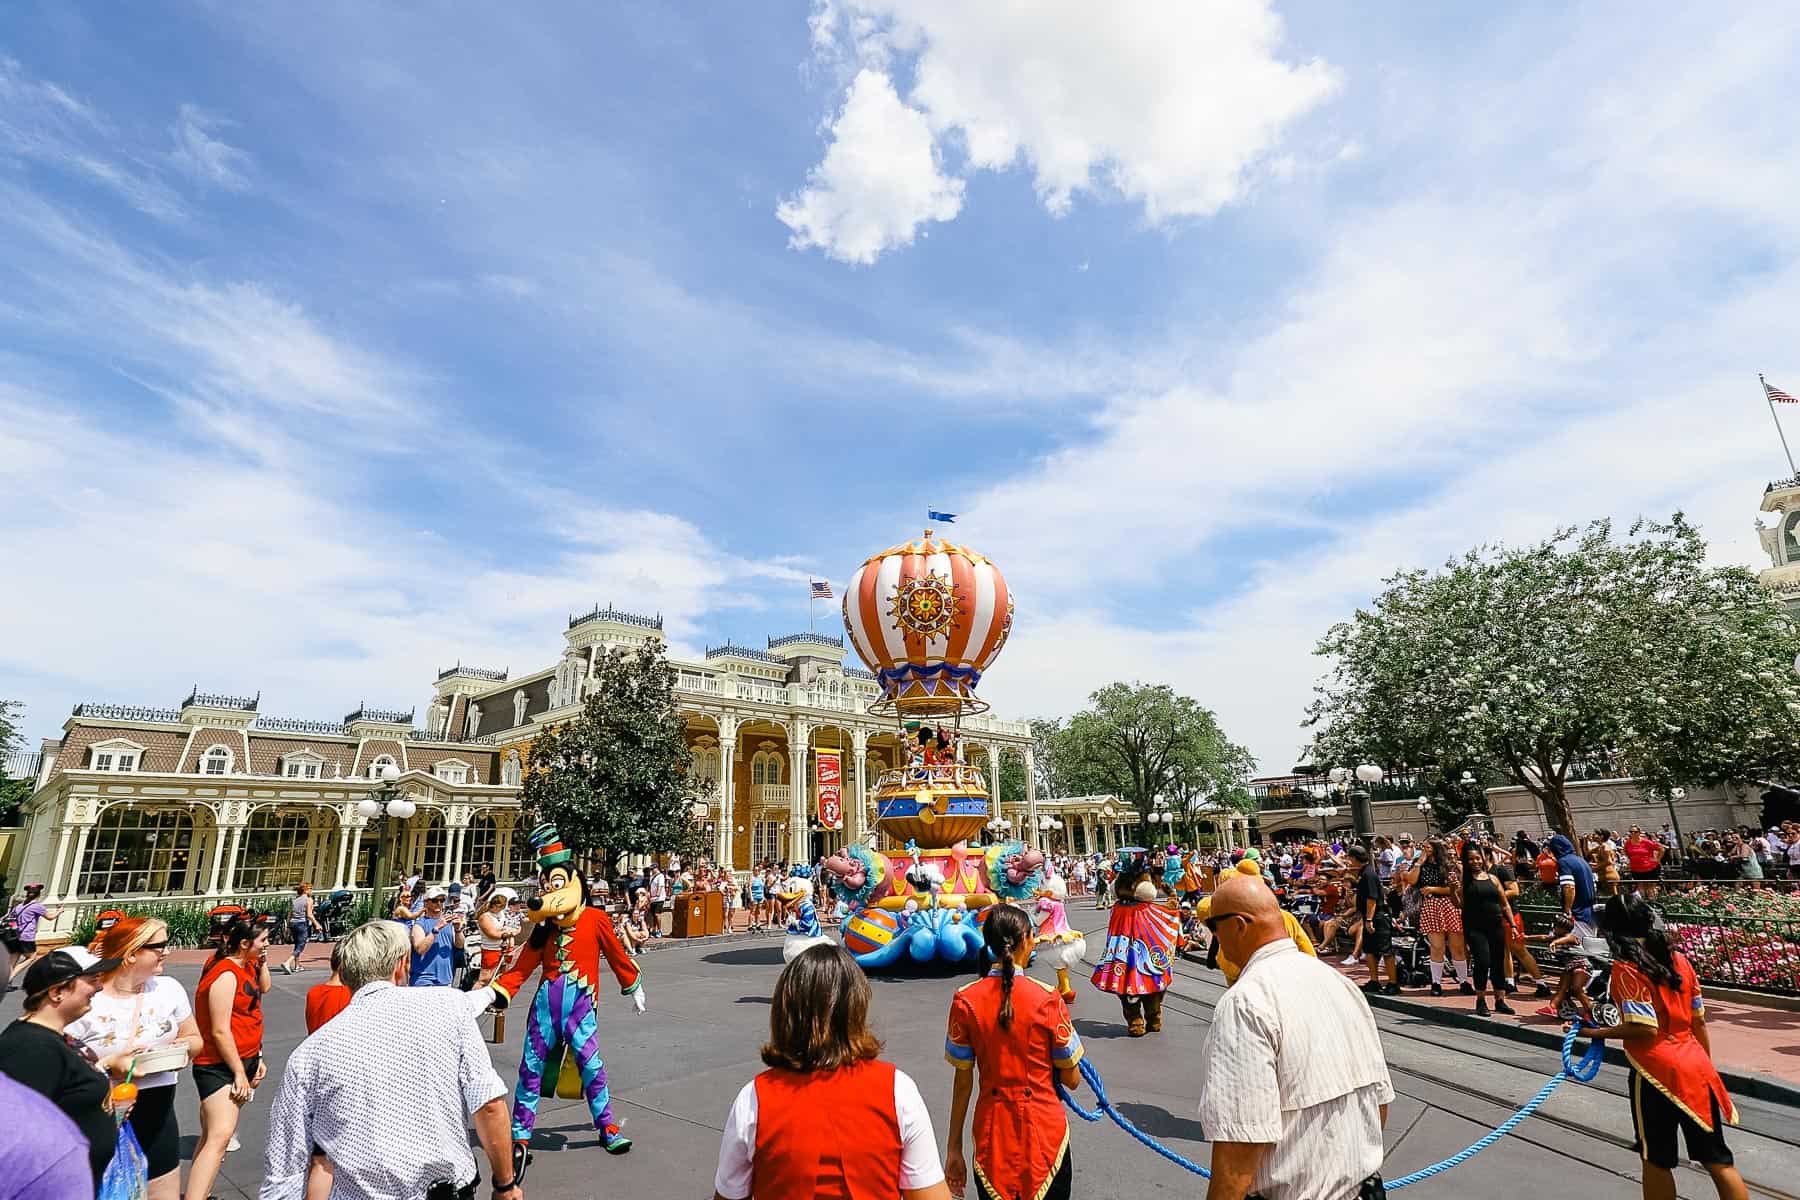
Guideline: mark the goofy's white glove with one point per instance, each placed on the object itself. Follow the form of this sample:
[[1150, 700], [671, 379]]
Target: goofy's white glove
[[637, 998]]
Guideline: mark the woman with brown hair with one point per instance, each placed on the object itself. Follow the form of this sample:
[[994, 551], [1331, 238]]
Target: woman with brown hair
[[823, 1059], [1440, 913], [1016, 1029], [229, 1067], [142, 1025]]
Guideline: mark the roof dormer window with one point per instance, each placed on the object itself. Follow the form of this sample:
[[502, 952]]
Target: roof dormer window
[[216, 761], [303, 764], [451, 771], [117, 755]]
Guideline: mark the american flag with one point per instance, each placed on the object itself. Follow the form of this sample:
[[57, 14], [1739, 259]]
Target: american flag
[[821, 590], [1777, 396]]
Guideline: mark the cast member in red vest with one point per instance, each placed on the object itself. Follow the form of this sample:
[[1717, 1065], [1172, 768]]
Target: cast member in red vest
[[1662, 1023], [1016, 1029], [828, 1119]]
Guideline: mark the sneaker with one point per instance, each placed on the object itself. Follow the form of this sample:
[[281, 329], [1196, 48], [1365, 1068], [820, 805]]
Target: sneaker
[[1481, 1008], [1466, 988], [1501, 1006], [1373, 987], [1544, 992], [1351, 961], [1392, 989], [1548, 1011], [233, 1144]]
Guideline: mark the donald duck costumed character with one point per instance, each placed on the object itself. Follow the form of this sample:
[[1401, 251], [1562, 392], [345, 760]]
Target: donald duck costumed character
[[803, 931], [568, 939]]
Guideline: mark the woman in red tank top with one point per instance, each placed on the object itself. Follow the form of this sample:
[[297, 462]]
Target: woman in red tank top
[[229, 1067], [828, 1119], [1016, 1029]]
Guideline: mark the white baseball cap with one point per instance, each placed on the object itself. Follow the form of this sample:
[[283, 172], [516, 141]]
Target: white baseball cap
[[435, 893], [505, 893]]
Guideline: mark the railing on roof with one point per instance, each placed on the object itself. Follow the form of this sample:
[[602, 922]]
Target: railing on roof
[[386, 716], [21, 764], [859, 673], [485, 739], [127, 712], [733, 650], [1790, 481], [609, 613], [299, 725], [821, 639], [475, 673], [219, 700]]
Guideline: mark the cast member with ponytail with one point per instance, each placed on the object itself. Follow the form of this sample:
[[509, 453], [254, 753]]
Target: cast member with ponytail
[[1016, 1031], [1662, 1024]]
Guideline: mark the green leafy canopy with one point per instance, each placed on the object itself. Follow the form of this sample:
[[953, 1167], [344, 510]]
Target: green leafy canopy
[[1538, 661]]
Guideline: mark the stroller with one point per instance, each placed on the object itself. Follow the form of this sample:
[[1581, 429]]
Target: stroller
[[334, 914], [1412, 958]]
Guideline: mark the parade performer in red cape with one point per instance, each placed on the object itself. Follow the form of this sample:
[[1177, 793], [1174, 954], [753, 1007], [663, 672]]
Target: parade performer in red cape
[[1138, 964], [568, 941]]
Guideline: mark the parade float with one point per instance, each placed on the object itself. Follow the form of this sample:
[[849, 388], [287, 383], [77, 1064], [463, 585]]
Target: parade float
[[928, 618]]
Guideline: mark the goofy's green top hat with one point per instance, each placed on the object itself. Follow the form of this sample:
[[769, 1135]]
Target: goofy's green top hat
[[550, 850]]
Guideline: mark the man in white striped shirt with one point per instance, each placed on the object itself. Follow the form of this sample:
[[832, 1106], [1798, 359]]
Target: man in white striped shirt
[[1297, 1089]]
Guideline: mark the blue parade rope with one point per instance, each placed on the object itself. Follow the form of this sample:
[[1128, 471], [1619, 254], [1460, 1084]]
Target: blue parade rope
[[1583, 1071]]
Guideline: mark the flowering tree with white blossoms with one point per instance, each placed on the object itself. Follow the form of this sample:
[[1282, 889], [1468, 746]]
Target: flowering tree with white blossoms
[[1632, 654]]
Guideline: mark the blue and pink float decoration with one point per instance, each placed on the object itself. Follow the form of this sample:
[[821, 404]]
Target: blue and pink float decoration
[[928, 617]]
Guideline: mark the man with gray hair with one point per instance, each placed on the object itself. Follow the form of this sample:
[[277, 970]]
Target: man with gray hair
[[339, 1088]]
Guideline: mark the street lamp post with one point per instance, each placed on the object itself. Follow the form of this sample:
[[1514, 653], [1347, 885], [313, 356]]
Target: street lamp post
[[1047, 826], [387, 800], [1424, 807], [1355, 784]]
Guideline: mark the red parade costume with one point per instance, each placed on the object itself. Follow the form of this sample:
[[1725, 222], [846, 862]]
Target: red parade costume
[[1021, 1133], [1673, 1061], [797, 1154]]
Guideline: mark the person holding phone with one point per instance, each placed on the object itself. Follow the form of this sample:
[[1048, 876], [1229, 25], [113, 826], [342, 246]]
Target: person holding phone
[[436, 937]]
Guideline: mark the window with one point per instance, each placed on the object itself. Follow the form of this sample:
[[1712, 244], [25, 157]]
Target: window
[[216, 761], [509, 769], [380, 763], [765, 767], [302, 765], [114, 755], [136, 851], [765, 842], [451, 771], [275, 848]]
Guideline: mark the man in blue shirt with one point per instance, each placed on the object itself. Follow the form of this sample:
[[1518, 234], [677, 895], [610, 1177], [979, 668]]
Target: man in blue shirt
[[1575, 882], [435, 939]]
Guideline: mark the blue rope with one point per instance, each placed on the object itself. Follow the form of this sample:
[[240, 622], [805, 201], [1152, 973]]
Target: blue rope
[[1583, 1071]]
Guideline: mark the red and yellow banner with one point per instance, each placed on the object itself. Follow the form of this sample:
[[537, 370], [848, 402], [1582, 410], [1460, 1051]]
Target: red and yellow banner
[[828, 774]]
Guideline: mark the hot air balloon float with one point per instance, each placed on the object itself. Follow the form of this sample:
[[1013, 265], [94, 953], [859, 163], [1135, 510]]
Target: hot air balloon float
[[928, 618]]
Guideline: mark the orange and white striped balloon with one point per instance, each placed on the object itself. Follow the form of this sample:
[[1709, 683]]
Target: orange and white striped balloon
[[928, 617]]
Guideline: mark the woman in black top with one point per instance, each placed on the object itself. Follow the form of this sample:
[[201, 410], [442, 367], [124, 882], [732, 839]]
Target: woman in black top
[[1485, 917], [59, 988]]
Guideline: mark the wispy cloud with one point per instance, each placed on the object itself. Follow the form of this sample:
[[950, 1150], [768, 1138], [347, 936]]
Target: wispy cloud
[[204, 157]]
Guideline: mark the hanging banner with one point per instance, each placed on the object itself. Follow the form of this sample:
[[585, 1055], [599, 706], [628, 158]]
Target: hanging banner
[[828, 776]]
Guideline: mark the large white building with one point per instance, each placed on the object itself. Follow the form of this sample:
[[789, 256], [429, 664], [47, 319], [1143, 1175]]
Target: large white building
[[215, 798]]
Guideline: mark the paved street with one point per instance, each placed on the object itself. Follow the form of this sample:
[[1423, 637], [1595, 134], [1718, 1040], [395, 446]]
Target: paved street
[[675, 1069]]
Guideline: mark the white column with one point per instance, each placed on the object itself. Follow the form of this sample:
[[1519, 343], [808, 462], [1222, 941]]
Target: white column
[[722, 856], [231, 857], [81, 840], [56, 866], [343, 853], [457, 834], [1031, 813], [856, 814], [799, 763], [215, 846]]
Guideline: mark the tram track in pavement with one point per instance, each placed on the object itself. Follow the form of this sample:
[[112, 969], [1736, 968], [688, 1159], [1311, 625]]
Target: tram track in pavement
[[1201, 1009]]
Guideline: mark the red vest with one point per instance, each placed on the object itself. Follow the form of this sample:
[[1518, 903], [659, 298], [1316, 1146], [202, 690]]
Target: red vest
[[853, 1156]]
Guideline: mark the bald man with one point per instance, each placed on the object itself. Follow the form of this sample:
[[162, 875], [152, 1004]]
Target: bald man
[[1296, 1089]]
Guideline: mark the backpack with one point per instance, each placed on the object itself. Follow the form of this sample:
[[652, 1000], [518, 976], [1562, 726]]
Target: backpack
[[1546, 866]]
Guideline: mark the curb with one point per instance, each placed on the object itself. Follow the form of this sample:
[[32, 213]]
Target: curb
[[711, 939], [1742, 1083]]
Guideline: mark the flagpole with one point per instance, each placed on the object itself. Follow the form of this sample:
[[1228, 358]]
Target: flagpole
[[1778, 430]]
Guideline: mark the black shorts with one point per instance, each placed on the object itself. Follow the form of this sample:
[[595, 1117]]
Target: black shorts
[[158, 1131], [1656, 1119], [210, 1077], [1378, 936], [1653, 873]]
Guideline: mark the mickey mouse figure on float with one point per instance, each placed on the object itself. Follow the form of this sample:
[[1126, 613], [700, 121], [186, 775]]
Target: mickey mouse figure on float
[[568, 939]]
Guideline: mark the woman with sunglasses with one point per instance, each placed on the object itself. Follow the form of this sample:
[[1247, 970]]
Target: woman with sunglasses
[[141, 1016]]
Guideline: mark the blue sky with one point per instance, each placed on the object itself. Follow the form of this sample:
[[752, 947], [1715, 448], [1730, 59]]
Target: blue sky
[[337, 347]]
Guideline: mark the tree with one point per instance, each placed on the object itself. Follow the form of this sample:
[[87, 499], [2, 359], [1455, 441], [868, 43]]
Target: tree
[[619, 779], [13, 792], [1582, 652], [1143, 742], [1061, 767]]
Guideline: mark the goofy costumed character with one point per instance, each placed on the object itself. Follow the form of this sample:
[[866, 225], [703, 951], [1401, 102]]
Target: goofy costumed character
[[568, 939]]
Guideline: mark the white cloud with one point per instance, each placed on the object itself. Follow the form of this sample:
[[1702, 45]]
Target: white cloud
[[1172, 104], [206, 158], [878, 182]]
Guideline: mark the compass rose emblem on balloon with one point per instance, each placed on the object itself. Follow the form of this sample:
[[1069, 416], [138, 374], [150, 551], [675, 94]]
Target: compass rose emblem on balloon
[[925, 605]]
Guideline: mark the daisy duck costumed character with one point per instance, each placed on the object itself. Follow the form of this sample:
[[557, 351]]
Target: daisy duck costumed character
[[1138, 963], [568, 939], [1062, 946]]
